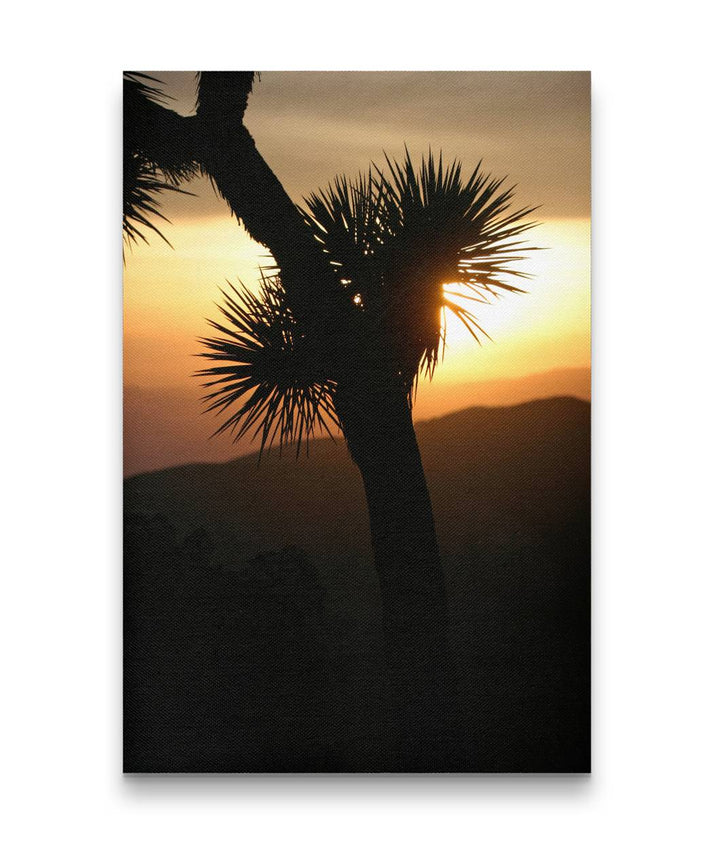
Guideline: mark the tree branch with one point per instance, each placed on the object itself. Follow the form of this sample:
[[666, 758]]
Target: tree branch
[[217, 142]]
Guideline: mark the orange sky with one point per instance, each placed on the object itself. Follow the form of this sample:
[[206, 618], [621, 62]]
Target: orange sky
[[539, 117]]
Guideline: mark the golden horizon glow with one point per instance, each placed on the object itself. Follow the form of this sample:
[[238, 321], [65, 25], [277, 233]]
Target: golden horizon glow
[[170, 292], [540, 346], [533, 127]]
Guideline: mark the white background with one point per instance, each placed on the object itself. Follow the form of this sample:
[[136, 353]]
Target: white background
[[655, 281]]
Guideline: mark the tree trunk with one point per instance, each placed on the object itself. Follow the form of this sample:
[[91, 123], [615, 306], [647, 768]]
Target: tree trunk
[[378, 427], [373, 407]]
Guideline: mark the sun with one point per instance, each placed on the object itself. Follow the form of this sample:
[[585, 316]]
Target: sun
[[500, 315]]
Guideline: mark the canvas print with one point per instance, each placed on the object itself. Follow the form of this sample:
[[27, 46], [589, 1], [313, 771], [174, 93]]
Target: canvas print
[[356, 422]]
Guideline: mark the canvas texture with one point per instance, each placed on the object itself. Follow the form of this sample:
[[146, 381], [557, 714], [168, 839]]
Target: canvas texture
[[356, 422]]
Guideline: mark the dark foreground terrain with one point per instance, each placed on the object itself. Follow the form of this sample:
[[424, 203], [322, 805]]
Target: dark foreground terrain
[[252, 616]]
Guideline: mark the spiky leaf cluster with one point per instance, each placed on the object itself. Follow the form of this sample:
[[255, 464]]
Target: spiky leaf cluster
[[266, 376], [349, 219], [413, 244], [396, 241], [142, 184], [156, 155]]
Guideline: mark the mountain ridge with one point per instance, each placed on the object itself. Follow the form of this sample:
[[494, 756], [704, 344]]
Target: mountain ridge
[[421, 425], [491, 471], [165, 427]]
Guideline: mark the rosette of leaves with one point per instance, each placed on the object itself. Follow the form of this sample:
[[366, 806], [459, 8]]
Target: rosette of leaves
[[267, 377], [413, 244]]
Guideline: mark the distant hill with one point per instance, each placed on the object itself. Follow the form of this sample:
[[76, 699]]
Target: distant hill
[[491, 471], [166, 427], [438, 399], [510, 488]]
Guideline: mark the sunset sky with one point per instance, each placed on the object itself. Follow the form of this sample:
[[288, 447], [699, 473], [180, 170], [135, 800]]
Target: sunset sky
[[533, 127]]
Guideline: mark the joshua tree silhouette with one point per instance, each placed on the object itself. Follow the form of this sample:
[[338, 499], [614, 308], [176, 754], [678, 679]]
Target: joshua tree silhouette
[[339, 333]]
